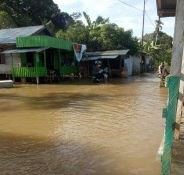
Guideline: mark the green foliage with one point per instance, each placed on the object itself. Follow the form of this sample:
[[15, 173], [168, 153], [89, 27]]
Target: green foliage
[[161, 50], [5, 20], [88, 20], [35, 12], [100, 35], [101, 20], [76, 32]]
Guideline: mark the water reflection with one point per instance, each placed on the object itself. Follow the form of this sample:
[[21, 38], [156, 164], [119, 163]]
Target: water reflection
[[82, 129]]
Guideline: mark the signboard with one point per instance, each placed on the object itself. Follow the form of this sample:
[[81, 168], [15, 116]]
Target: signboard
[[79, 49]]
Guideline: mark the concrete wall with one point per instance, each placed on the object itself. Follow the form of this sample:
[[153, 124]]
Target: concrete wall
[[133, 64], [129, 66], [6, 68], [136, 65]]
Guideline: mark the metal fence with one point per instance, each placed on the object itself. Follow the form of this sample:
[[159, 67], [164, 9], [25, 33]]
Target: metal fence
[[173, 83]]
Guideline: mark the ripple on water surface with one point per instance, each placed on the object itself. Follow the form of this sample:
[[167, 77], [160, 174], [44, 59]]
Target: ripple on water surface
[[82, 129]]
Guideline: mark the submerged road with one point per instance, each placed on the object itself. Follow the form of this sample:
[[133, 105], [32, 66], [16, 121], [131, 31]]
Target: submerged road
[[82, 129]]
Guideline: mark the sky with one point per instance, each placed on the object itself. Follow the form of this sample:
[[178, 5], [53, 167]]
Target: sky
[[119, 13]]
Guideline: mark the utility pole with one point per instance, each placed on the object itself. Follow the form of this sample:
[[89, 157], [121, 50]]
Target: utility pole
[[142, 42], [144, 11]]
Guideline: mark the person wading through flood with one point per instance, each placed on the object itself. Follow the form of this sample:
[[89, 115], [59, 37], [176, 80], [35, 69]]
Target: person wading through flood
[[162, 72]]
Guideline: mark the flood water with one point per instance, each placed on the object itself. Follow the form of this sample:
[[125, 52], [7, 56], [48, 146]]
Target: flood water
[[82, 128]]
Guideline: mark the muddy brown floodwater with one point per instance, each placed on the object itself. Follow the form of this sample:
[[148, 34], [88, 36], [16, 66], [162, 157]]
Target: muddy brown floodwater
[[82, 128]]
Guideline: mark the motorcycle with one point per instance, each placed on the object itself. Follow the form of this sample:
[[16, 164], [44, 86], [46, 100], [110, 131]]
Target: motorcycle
[[101, 76]]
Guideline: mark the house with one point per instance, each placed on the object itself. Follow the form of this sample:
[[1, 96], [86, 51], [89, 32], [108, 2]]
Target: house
[[119, 62], [31, 52], [8, 41]]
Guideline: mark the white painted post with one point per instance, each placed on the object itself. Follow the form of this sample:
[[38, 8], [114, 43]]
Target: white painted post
[[177, 63], [178, 42], [37, 80]]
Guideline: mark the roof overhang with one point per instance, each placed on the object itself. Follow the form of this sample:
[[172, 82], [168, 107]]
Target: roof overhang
[[100, 58], [108, 53], [102, 55], [166, 8], [14, 51]]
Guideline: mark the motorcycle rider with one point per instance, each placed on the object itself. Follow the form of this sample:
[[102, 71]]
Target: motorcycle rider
[[99, 73]]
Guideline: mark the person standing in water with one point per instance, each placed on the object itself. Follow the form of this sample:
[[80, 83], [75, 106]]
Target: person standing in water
[[162, 72]]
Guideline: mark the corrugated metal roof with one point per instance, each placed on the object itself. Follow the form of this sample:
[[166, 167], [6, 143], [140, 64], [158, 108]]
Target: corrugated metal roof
[[8, 36], [166, 8], [108, 53], [99, 58], [23, 50]]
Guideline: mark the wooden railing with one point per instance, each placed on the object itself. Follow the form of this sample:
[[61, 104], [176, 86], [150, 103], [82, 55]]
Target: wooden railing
[[24, 72]]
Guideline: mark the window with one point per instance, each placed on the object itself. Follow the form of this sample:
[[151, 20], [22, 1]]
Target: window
[[2, 59]]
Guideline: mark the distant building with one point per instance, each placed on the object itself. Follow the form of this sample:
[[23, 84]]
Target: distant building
[[119, 62]]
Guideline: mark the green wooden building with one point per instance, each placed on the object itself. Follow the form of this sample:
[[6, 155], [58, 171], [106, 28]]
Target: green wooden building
[[38, 56]]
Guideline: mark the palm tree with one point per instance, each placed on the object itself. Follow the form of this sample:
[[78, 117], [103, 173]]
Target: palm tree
[[158, 28]]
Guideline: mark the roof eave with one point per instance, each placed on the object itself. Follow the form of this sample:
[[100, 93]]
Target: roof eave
[[165, 11]]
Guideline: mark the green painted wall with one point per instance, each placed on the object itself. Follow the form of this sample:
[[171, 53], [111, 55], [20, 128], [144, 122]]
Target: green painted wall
[[44, 41], [173, 83], [23, 59]]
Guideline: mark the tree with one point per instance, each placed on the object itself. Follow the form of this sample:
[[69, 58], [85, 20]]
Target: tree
[[34, 12], [157, 29], [76, 32], [162, 51], [101, 20], [87, 18], [5, 20], [100, 35]]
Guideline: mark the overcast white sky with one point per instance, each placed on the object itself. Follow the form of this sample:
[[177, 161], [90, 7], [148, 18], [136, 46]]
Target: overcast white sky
[[124, 16]]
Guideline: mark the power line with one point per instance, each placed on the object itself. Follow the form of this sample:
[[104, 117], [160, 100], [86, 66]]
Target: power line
[[146, 14], [129, 5], [143, 22]]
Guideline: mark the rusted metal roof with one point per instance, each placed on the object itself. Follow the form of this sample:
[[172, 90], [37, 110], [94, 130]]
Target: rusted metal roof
[[166, 8], [8, 36], [100, 58], [111, 54], [108, 53]]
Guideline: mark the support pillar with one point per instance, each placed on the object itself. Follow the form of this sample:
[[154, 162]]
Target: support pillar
[[45, 59], [177, 63], [59, 52], [12, 69], [178, 41], [37, 65], [37, 80]]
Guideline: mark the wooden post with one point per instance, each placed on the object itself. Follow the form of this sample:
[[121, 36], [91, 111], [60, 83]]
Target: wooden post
[[37, 80], [37, 64], [45, 59], [110, 72], [88, 68], [178, 58], [59, 60], [12, 68]]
